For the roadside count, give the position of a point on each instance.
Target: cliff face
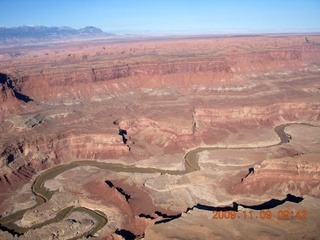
(262, 61)
(255, 115)
(20, 161)
(80, 79)
(217, 64)
(197, 87)
(6, 93)
(148, 103)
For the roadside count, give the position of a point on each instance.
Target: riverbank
(43, 194)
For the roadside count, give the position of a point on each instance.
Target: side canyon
(145, 138)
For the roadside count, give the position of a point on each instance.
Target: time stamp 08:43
(262, 214)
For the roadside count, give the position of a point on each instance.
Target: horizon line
(207, 31)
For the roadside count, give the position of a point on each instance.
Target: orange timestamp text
(262, 214)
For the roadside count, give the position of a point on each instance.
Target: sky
(166, 15)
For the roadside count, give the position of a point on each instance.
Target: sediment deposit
(136, 111)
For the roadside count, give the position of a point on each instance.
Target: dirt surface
(149, 103)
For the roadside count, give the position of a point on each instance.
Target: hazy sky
(165, 15)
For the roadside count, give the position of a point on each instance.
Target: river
(44, 195)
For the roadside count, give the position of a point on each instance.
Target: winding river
(43, 194)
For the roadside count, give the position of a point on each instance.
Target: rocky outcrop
(13, 86)
(51, 84)
(8, 101)
(7, 93)
(20, 161)
(257, 115)
(11, 97)
(147, 103)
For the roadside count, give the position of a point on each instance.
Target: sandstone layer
(145, 104)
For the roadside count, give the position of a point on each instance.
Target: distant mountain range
(49, 32)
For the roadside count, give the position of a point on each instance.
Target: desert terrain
(207, 137)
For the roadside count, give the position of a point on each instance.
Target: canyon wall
(66, 103)
(81, 79)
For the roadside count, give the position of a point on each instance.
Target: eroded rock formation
(149, 105)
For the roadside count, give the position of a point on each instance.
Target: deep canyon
(144, 138)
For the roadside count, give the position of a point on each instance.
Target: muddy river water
(44, 195)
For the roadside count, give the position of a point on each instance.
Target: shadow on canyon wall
(264, 206)
(9, 83)
(125, 234)
(119, 189)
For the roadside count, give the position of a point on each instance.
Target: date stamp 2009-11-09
(262, 214)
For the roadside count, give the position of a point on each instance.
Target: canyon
(145, 137)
